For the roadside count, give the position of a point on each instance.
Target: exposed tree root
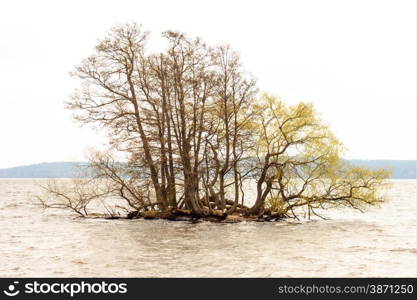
(216, 216)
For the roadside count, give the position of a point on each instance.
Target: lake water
(37, 242)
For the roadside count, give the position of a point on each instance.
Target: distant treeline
(44, 170)
(402, 169)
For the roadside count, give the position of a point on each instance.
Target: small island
(188, 129)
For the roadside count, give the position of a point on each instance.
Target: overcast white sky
(355, 60)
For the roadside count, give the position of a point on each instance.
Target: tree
(301, 163)
(193, 129)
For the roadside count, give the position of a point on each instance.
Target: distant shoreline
(402, 169)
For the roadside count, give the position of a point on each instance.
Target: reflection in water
(35, 242)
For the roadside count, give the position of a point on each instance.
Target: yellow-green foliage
(304, 161)
(276, 205)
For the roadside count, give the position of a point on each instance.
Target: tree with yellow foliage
(301, 163)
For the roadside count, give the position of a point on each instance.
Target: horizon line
(74, 161)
